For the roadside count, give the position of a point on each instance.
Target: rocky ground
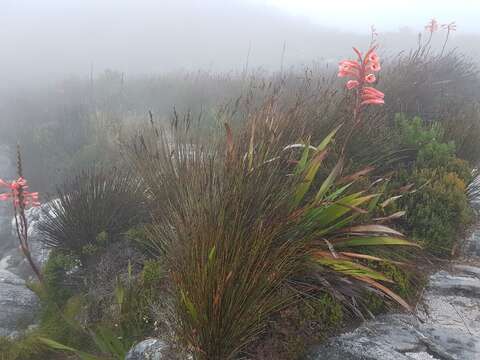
(18, 304)
(446, 325)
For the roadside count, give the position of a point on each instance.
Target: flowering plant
(362, 73)
(432, 26)
(18, 193)
(21, 199)
(449, 27)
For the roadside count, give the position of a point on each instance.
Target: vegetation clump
(265, 227)
(438, 212)
(91, 210)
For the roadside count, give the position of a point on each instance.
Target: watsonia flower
(432, 26)
(362, 71)
(18, 193)
(361, 74)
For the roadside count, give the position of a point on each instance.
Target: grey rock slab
(446, 283)
(18, 304)
(149, 349)
(468, 270)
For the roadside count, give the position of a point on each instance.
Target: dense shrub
(438, 214)
(112, 286)
(439, 211)
(121, 298)
(427, 140)
(25, 349)
(292, 332)
(65, 324)
(92, 210)
(234, 229)
(58, 284)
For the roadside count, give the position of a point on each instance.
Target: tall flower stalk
(362, 73)
(449, 27)
(431, 27)
(21, 199)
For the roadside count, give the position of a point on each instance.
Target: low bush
(91, 210)
(292, 332)
(28, 348)
(438, 211)
(58, 284)
(438, 214)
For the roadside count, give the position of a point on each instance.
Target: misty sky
(44, 40)
(385, 14)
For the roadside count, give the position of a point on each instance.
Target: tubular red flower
(361, 74)
(370, 78)
(374, 67)
(352, 84)
(432, 26)
(349, 68)
(18, 187)
(368, 90)
(346, 73)
(450, 27)
(350, 64)
(373, 57)
(371, 96)
(372, 102)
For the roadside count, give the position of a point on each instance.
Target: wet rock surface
(446, 325)
(150, 349)
(18, 304)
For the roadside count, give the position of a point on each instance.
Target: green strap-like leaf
(330, 180)
(300, 167)
(351, 268)
(211, 254)
(189, 305)
(338, 225)
(341, 207)
(387, 291)
(311, 171)
(370, 228)
(328, 138)
(372, 241)
(333, 196)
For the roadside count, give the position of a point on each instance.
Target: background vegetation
(231, 225)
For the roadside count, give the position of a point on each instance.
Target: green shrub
(439, 213)
(428, 140)
(407, 282)
(93, 209)
(152, 274)
(27, 348)
(292, 332)
(56, 280)
(127, 311)
(132, 316)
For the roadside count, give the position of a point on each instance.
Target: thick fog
(48, 40)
